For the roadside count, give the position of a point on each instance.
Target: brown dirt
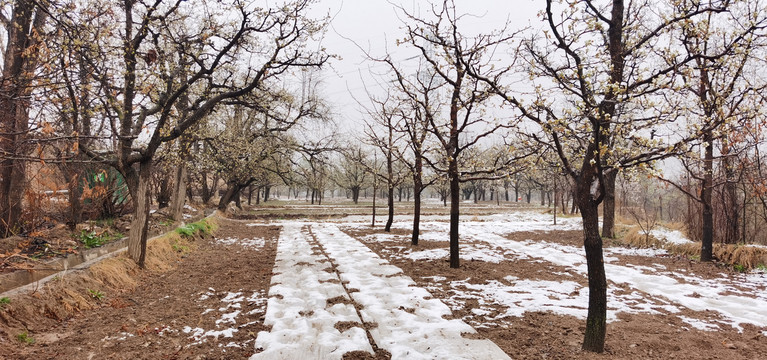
(544, 335)
(148, 322)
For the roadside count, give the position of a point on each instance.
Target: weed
(25, 338)
(761, 267)
(179, 247)
(189, 230)
(4, 301)
(98, 295)
(739, 268)
(167, 222)
(91, 240)
(108, 222)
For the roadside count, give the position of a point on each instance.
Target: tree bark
(707, 243)
(455, 193)
(390, 202)
(178, 198)
(608, 206)
(417, 189)
(137, 235)
(596, 319)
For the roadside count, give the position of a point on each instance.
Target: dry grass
(746, 257)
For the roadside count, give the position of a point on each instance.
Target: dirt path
(211, 306)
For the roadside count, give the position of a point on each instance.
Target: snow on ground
(252, 244)
(303, 323)
(654, 290)
(740, 304)
(410, 323)
(670, 236)
(229, 310)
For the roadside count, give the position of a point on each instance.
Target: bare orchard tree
(448, 54)
(726, 49)
(352, 174)
(595, 64)
(419, 103)
(159, 52)
(380, 133)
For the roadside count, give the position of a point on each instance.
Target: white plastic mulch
(410, 323)
(303, 326)
(402, 318)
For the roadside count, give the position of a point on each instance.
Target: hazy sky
(374, 26)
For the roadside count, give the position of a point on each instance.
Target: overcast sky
(374, 26)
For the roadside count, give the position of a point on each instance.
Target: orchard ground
(289, 279)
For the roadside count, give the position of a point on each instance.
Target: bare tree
(450, 55)
(591, 68)
(161, 58)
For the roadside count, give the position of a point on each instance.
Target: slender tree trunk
(390, 202)
(178, 197)
(137, 235)
(608, 206)
(706, 250)
(417, 189)
(75, 193)
(455, 192)
(732, 206)
(375, 191)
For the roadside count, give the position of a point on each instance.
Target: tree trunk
(596, 319)
(375, 191)
(355, 194)
(608, 206)
(390, 202)
(232, 194)
(267, 192)
(732, 206)
(75, 193)
(455, 192)
(179, 192)
(706, 249)
(417, 189)
(137, 235)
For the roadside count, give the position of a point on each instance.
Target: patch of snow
(636, 252)
(205, 296)
(670, 236)
(228, 318)
(188, 207)
(252, 244)
(700, 324)
(430, 254)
